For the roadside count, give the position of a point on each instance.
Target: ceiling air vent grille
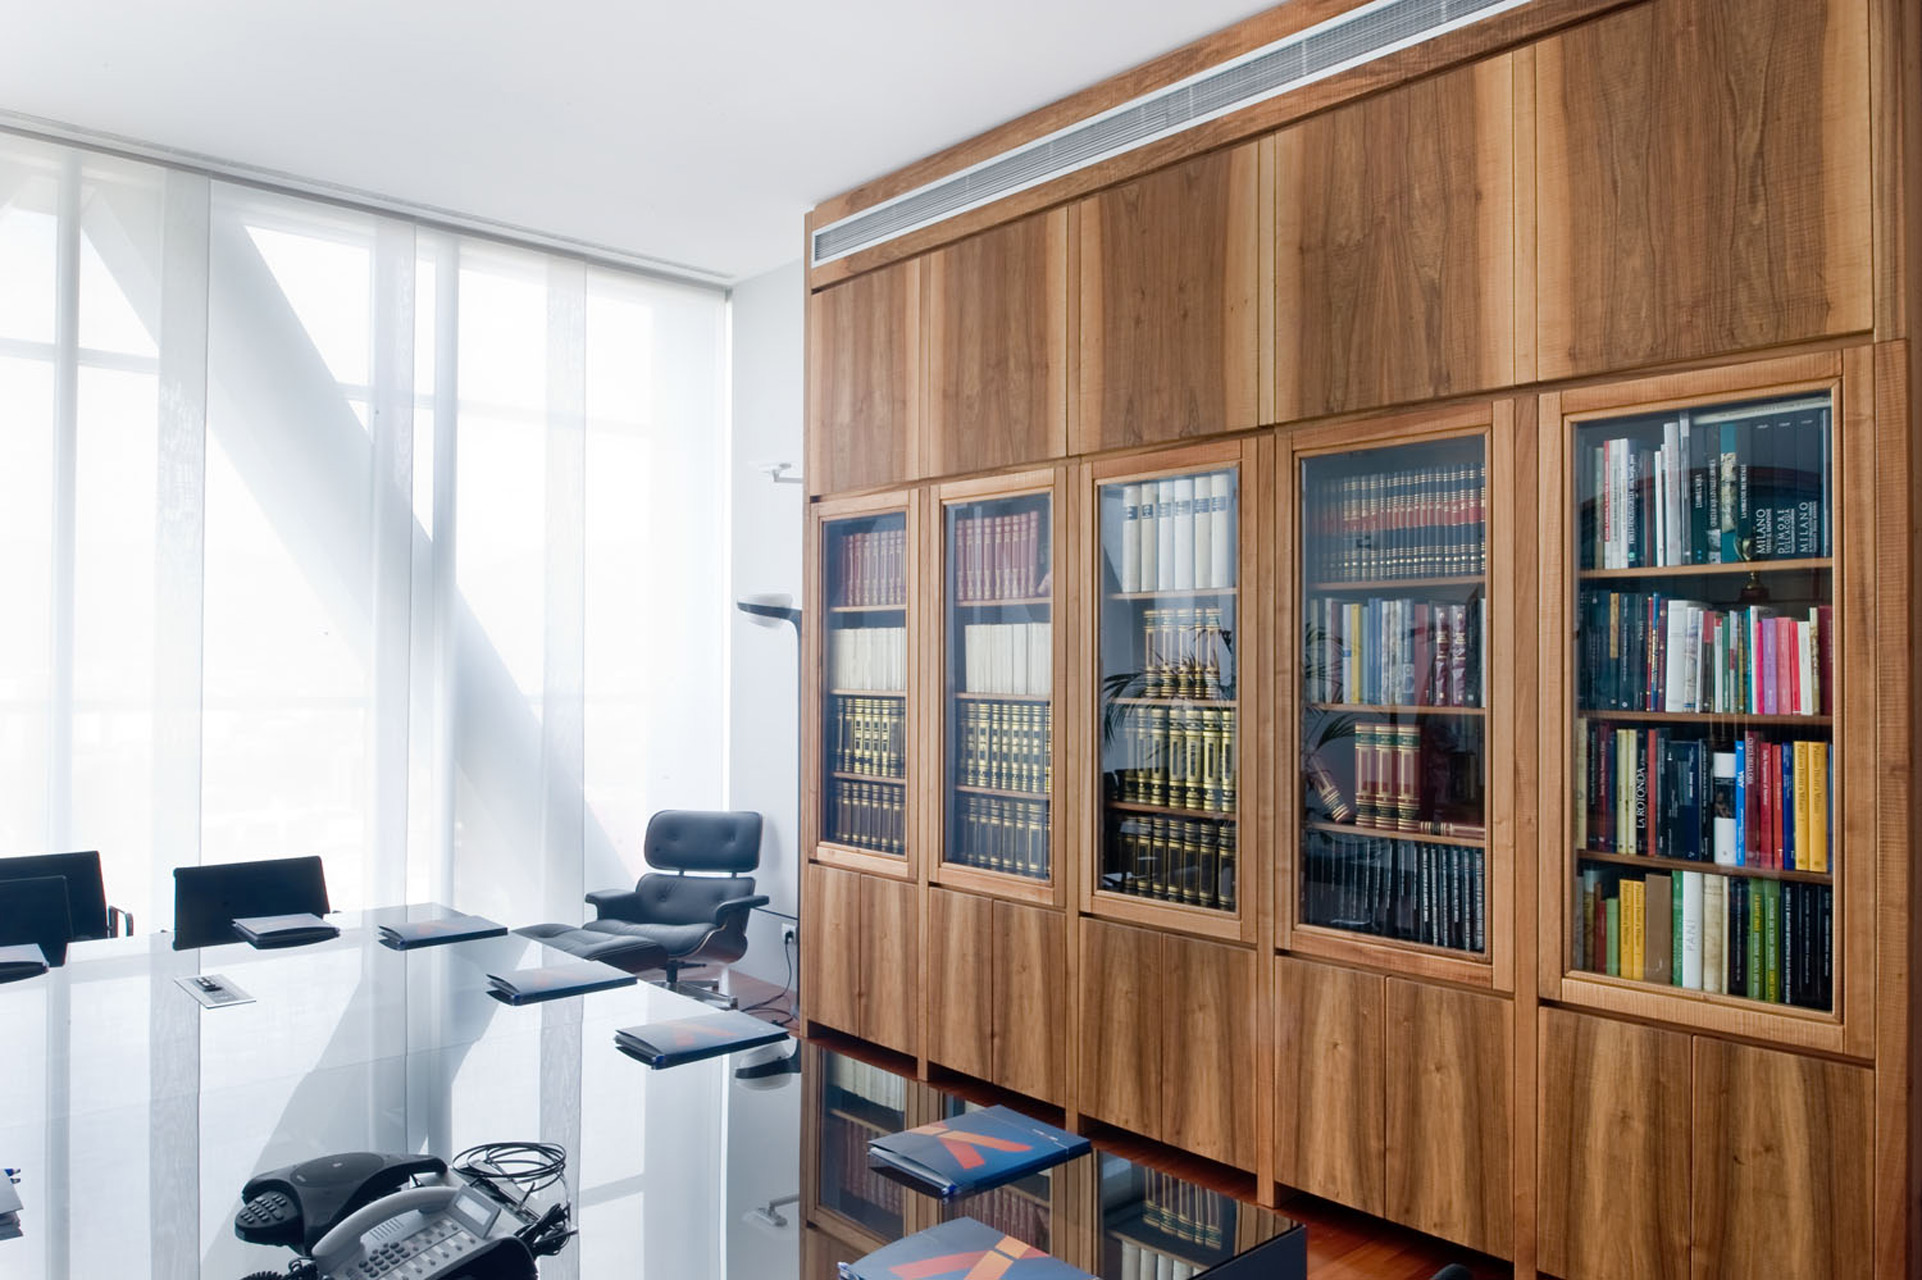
(1361, 35)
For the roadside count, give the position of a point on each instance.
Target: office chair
(1453, 1271)
(675, 921)
(86, 893)
(207, 900)
(35, 911)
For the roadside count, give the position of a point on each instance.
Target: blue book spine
(1741, 802)
(1788, 806)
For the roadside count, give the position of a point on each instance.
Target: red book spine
(1825, 655)
(1033, 557)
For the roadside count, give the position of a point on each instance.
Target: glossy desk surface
(134, 1116)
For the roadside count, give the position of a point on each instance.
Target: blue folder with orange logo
(707, 1035)
(960, 1250)
(973, 1152)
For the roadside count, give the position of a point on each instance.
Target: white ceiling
(694, 133)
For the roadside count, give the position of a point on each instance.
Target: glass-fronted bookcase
(999, 753)
(1392, 728)
(1173, 681)
(1703, 871)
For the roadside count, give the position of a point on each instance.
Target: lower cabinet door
(1330, 1053)
(822, 1254)
(1784, 1164)
(1613, 1151)
(1030, 1008)
(1208, 1052)
(961, 979)
(1450, 1138)
(1121, 1020)
(830, 963)
(891, 951)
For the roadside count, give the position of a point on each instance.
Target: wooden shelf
(1163, 811)
(1398, 584)
(868, 777)
(1015, 602)
(1814, 564)
(1655, 863)
(867, 608)
(1171, 595)
(1707, 717)
(1002, 697)
(1391, 709)
(1005, 795)
(1391, 833)
(866, 693)
(1227, 704)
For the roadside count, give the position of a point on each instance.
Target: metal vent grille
(1361, 35)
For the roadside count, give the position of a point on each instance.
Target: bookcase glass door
(1000, 680)
(1169, 730)
(859, 1103)
(864, 799)
(1023, 1208)
(1394, 714)
(1703, 771)
(1155, 1224)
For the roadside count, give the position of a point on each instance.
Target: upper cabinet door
(865, 381)
(1703, 181)
(1170, 273)
(1394, 246)
(998, 347)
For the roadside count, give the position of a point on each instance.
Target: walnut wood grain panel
(1122, 1013)
(1395, 246)
(1448, 1115)
(1612, 1150)
(864, 381)
(961, 995)
(1208, 1056)
(1330, 1053)
(821, 1254)
(891, 921)
(998, 347)
(1784, 1160)
(830, 938)
(1703, 181)
(1030, 1000)
(1168, 314)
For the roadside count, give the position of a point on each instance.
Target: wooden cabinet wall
(997, 1008)
(1331, 1055)
(864, 982)
(865, 366)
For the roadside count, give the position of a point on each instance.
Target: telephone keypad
(425, 1253)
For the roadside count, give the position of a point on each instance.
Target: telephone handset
(422, 1233)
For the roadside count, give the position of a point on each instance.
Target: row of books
(1006, 746)
(1423, 778)
(1179, 756)
(873, 569)
(1412, 890)
(869, 735)
(1178, 534)
(1674, 795)
(1179, 1208)
(1007, 657)
(1417, 653)
(870, 1084)
(1184, 653)
(1012, 1214)
(873, 658)
(849, 1185)
(1009, 836)
(1139, 1262)
(1186, 860)
(868, 815)
(1709, 488)
(1762, 939)
(1420, 523)
(1644, 651)
(998, 557)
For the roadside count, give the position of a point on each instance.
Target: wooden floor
(1342, 1244)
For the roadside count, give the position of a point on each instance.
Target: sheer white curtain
(322, 532)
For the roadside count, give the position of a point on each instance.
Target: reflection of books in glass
(958, 1249)
(531, 986)
(435, 933)
(708, 1035)
(23, 961)
(290, 930)
(972, 1152)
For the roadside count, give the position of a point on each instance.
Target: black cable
(786, 1016)
(527, 1167)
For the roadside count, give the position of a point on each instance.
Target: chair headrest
(700, 840)
(86, 898)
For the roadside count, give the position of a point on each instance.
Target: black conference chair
(35, 911)
(676, 921)
(207, 900)
(86, 892)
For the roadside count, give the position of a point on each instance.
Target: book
(437, 933)
(1714, 932)
(972, 1152)
(958, 1250)
(1657, 930)
(290, 930)
(674, 1041)
(553, 982)
(1130, 536)
(24, 960)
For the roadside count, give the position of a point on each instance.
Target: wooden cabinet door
(998, 347)
(1395, 246)
(1208, 1053)
(830, 957)
(864, 381)
(1613, 1150)
(890, 949)
(1169, 278)
(1703, 181)
(1330, 1052)
(822, 1254)
(1450, 1149)
(1030, 1000)
(961, 977)
(1122, 1012)
(1784, 1164)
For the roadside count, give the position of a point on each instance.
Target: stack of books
(873, 569)
(1645, 651)
(1425, 522)
(1393, 652)
(1411, 890)
(868, 658)
(1007, 657)
(998, 557)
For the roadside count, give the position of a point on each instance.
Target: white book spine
(1691, 658)
(1204, 533)
(1809, 702)
(1130, 537)
(1165, 536)
(1184, 534)
(1130, 1260)
(1714, 931)
(1692, 930)
(1722, 782)
(1017, 658)
(1222, 541)
(1674, 683)
(1147, 527)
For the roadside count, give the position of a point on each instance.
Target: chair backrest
(207, 900)
(35, 911)
(700, 840)
(86, 895)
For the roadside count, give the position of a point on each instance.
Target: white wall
(766, 527)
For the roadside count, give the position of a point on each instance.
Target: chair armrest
(114, 917)
(740, 906)
(615, 904)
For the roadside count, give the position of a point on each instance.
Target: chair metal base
(706, 990)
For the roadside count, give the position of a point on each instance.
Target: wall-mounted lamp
(778, 472)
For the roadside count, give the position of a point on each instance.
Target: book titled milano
(972, 1152)
(960, 1250)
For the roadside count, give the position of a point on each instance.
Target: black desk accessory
(298, 1205)
(438, 933)
(213, 990)
(295, 929)
(531, 986)
(706, 1035)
